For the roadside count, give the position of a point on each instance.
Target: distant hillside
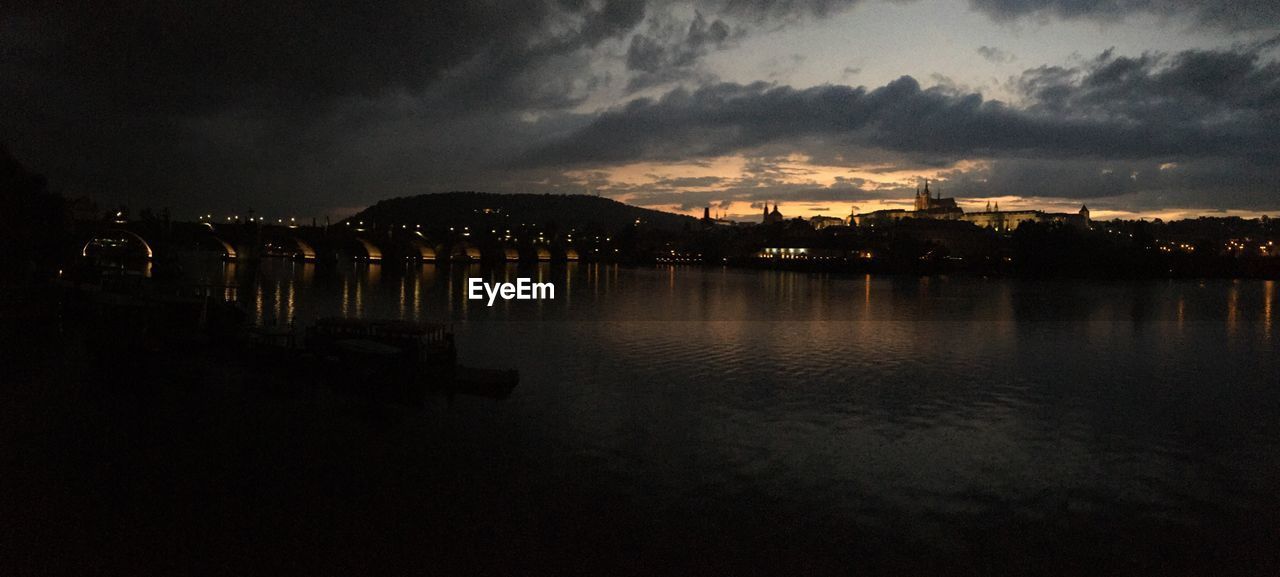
(455, 209)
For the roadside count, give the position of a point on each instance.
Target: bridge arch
(371, 251)
(419, 248)
(306, 252)
(409, 245)
(464, 252)
(539, 253)
(116, 240)
(284, 242)
(426, 252)
(229, 251)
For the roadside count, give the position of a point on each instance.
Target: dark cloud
(1125, 185)
(195, 58)
(1232, 15)
(786, 193)
(763, 179)
(1223, 86)
(263, 104)
(1054, 178)
(666, 53)
(1228, 15)
(996, 55)
(1194, 103)
(689, 181)
(786, 11)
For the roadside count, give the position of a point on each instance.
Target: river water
(712, 417)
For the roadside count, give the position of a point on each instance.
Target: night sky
(1136, 107)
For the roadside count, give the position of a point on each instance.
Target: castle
(927, 205)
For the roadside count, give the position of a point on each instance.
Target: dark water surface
(711, 420)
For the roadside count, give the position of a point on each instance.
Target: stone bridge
(243, 241)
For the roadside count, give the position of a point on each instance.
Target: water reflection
(346, 295)
(591, 291)
(258, 301)
(278, 299)
(403, 300)
(1233, 307)
(1268, 295)
(893, 397)
(1182, 312)
(228, 281)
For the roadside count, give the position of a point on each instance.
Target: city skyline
(1139, 109)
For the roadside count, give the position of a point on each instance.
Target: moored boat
(399, 360)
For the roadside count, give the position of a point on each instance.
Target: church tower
(772, 217)
(924, 199)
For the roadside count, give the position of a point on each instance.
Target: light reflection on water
(1268, 295)
(875, 397)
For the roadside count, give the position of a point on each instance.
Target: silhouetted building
(718, 220)
(772, 217)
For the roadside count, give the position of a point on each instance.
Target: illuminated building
(928, 206)
(937, 207)
(1010, 220)
(821, 222)
(798, 253)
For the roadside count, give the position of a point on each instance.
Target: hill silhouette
(457, 209)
